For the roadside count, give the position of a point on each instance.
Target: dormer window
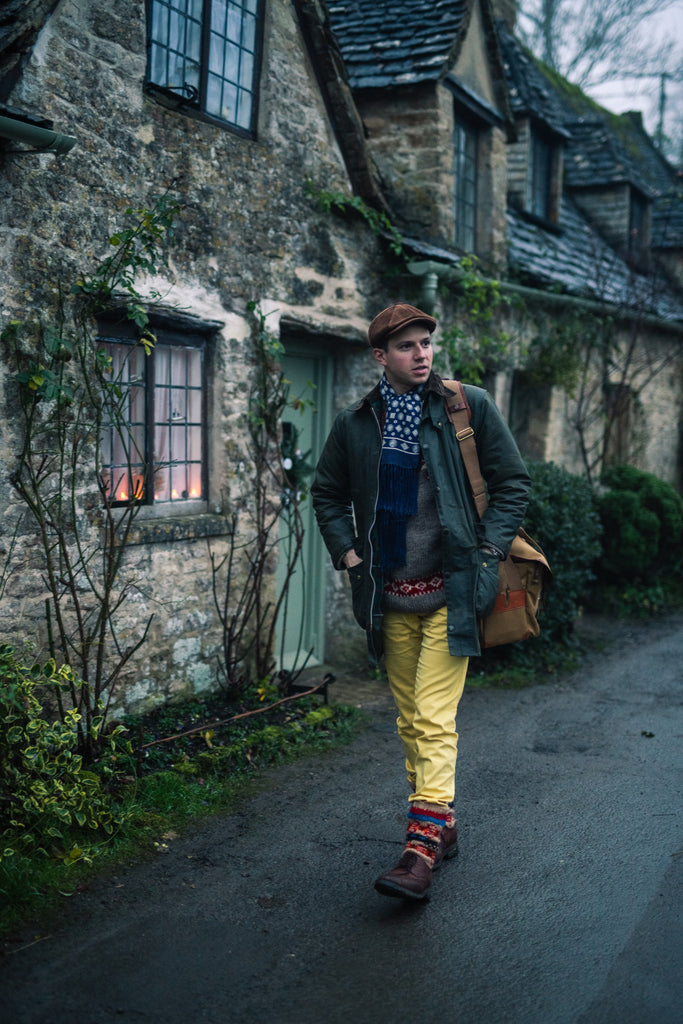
(535, 171)
(204, 55)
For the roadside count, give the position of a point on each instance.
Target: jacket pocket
(487, 585)
(359, 594)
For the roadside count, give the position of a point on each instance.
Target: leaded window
(152, 447)
(465, 184)
(207, 53)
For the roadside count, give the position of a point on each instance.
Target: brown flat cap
(393, 319)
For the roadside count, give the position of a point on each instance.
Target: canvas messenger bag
(525, 572)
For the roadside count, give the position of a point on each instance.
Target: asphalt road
(564, 906)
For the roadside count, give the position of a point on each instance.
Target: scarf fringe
(398, 488)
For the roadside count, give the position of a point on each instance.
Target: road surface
(564, 906)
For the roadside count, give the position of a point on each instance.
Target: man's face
(407, 361)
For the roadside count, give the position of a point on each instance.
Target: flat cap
(393, 318)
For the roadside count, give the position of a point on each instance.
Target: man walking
(394, 507)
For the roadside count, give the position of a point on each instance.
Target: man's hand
(350, 559)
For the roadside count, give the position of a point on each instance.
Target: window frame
(540, 180)
(465, 130)
(474, 116)
(122, 333)
(193, 100)
(638, 243)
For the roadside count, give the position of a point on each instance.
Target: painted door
(301, 625)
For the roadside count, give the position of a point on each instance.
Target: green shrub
(642, 518)
(563, 519)
(48, 802)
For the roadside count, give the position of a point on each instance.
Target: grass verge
(160, 787)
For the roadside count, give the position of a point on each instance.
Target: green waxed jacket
(344, 497)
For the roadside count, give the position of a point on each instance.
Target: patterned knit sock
(425, 824)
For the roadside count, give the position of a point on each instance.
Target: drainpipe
(43, 140)
(432, 272)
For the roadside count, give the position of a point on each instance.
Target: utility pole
(659, 134)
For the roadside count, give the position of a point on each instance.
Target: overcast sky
(644, 95)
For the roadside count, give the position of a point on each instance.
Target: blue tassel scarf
(399, 472)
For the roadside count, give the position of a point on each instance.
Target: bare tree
(593, 44)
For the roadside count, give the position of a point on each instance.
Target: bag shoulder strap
(460, 414)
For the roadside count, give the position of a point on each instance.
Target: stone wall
(406, 131)
(247, 231)
(608, 209)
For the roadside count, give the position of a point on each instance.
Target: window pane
(162, 484)
(213, 98)
(194, 42)
(179, 366)
(162, 454)
(194, 368)
(195, 481)
(176, 34)
(194, 437)
(218, 16)
(249, 34)
(137, 404)
(119, 458)
(246, 71)
(194, 406)
(216, 56)
(179, 488)
(157, 71)
(243, 109)
(232, 62)
(159, 23)
(178, 450)
(161, 365)
(234, 31)
(178, 405)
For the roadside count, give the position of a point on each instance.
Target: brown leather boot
(448, 845)
(409, 880)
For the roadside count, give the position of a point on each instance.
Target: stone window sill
(165, 530)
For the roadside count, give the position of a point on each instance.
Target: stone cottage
(433, 118)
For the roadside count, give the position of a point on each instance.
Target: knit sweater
(418, 586)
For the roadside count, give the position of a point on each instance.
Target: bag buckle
(462, 435)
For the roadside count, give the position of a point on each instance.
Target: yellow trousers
(427, 683)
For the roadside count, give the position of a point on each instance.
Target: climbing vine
(269, 526)
(376, 220)
(472, 344)
(68, 393)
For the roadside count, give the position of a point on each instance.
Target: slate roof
(579, 262)
(529, 91)
(594, 155)
(600, 148)
(396, 42)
